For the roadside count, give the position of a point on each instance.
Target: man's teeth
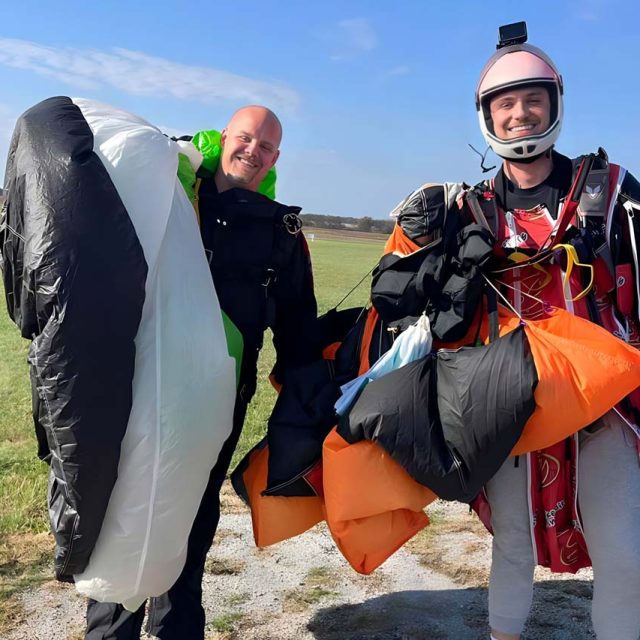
(522, 127)
(249, 164)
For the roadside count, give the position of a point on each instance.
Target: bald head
(250, 147)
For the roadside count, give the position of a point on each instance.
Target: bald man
(261, 269)
(250, 147)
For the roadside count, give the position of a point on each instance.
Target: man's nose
(520, 109)
(252, 147)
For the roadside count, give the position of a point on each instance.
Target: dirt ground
(433, 589)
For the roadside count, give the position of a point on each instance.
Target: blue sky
(376, 98)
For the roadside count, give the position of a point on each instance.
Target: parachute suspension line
(364, 277)
(504, 299)
(545, 304)
(482, 158)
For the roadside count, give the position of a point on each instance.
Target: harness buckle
(271, 277)
(292, 223)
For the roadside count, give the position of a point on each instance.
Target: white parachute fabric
(412, 344)
(184, 380)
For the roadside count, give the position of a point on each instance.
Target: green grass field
(24, 546)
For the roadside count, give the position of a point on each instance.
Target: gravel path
(303, 589)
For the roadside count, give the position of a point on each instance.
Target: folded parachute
(133, 388)
(450, 419)
(370, 500)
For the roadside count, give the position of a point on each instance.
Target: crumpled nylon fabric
(183, 384)
(412, 344)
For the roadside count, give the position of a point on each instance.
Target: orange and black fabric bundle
(391, 456)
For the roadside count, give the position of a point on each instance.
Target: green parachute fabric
(235, 343)
(187, 176)
(208, 143)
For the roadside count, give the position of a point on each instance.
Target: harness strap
(196, 199)
(570, 206)
(478, 213)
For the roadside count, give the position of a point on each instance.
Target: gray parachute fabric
(133, 387)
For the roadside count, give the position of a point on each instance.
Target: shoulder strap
(471, 198)
(196, 199)
(570, 206)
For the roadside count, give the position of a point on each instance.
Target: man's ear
(276, 155)
(223, 137)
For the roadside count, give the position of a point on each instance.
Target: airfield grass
(25, 547)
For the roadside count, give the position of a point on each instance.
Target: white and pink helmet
(513, 67)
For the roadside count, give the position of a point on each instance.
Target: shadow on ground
(560, 612)
(406, 615)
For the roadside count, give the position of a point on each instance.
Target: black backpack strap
(492, 311)
(471, 198)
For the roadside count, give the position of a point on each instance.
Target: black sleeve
(295, 330)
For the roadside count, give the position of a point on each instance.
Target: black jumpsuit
(262, 274)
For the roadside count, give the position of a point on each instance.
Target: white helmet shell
(514, 67)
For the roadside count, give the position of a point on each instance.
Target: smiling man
(545, 508)
(250, 144)
(260, 265)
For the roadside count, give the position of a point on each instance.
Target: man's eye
(245, 138)
(266, 147)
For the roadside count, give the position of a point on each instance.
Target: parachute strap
(632, 208)
(572, 260)
(504, 298)
(571, 203)
(477, 212)
(522, 260)
(519, 257)
(355, 286)
(196, 199)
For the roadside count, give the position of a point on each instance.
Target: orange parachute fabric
(371, 504)
(399, 242)
(276, 518)
(583, 371)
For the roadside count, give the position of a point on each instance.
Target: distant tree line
(365, 223)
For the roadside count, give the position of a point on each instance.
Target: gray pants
(609, 501)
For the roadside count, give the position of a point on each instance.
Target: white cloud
(401, 70)
(359, 34)
(140, 74)
(351, 37)
(8, 119)
(590, 10)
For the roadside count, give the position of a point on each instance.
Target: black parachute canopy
(74, 275)
(452, 418)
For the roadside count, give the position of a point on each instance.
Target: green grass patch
(225, 622)
(237, 599)
(318, 585)
(337, 267)
(222, 567)
(25, 561)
